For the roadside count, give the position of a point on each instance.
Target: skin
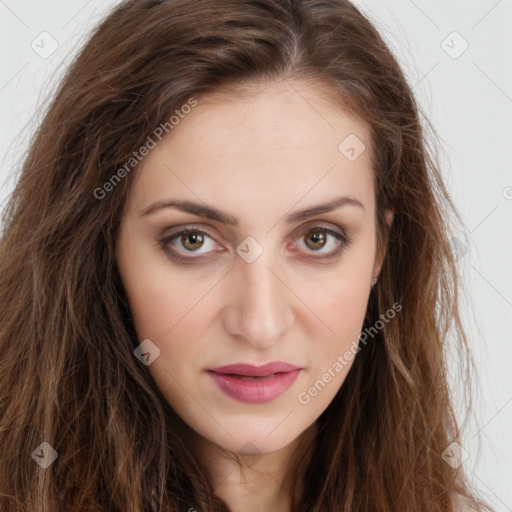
(259, 157)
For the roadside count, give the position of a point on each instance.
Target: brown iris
(318, 237)
(194, 238)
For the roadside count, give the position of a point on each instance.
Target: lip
(271, 380)
(251, 370)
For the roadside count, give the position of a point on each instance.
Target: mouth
(255, 384)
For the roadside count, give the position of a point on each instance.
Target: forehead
(283, 142)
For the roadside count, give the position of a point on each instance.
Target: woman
(225, 276)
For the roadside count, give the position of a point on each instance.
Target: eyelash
(344, 240)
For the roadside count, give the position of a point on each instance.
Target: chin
(246, 438)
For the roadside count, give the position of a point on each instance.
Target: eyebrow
(208, 212)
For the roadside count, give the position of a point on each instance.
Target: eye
(316, 239)
(196, 241)
(187, 240)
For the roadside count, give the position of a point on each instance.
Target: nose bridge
(259, 310)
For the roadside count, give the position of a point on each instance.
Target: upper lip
(250, 370)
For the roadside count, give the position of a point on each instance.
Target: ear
(379, 258)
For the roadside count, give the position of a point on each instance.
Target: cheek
(331, 356)
(168, 312)
(344, 294)
(160, 298)
(152, 299)
(341, 303)
(170, 308)
(344, 309)
(162, 308)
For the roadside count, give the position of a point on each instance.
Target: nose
(260, 309)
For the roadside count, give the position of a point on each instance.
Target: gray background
(467, 95)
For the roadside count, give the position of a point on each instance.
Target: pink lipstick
(255, 384)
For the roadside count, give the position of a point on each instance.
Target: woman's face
(261, 277)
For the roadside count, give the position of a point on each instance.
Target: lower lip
(255, 391)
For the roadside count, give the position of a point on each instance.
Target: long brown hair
(68, 375)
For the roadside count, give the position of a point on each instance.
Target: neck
(261, 481)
